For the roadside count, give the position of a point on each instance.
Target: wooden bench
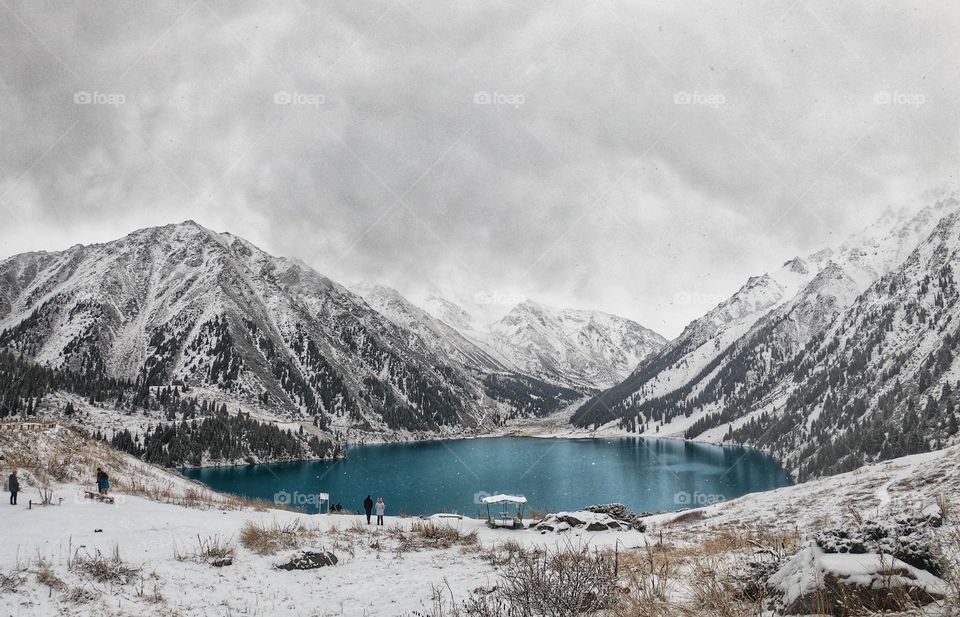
(98, 497)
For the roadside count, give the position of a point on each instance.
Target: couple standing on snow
(368, 508)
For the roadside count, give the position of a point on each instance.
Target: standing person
(380, 508)
(14, 486)
(368, 507)
(103, 481)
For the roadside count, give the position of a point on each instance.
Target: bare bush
(571, 581)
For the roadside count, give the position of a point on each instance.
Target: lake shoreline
(450, 475)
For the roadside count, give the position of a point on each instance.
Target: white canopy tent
(504, 518)
(504, 499)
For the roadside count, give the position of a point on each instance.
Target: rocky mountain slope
(183, 304)
(741, 371)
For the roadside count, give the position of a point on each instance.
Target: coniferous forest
(187, 430)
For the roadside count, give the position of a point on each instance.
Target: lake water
(647, 475)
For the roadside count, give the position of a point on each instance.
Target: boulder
(907, 538)
(585, 520)
(621, 513)
(814, 581)
(309, 560)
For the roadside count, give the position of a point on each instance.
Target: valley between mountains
(834, 360)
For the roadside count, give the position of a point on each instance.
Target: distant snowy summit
(587, 350)
(183, 304)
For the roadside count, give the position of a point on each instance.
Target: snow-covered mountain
(577, 348)
(752, 354)
(181, 303)
(535, 351)
(580, 350)
(441, 337)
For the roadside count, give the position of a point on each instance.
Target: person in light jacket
(13, 484)
(380, 508)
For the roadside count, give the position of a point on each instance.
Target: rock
(908, 539)
(309, 560)
(584, 520)
(621, 513)
(813, 581)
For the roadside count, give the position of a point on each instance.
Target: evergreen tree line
(221, 437)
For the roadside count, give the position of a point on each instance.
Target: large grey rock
(309, 560)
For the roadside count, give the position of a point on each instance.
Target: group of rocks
(604, 517)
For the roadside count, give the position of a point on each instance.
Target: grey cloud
(599, 190)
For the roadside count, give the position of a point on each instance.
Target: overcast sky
(612, 155)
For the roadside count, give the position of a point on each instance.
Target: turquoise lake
(648, 475)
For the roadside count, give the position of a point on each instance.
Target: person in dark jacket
(103, 481)
(368, 507)
(14, 486)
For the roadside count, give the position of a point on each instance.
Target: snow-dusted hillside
(169, 546)
(746, 357)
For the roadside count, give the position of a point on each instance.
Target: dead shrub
(570, 581)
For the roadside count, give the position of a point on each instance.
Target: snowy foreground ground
(60, 559)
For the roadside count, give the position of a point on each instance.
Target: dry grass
(690, 516)
(12, 579)
(80, 595)
(208, 549)
(951, 554)
(103, 569)
(268, 538)
(46, 575)
(430, 534)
